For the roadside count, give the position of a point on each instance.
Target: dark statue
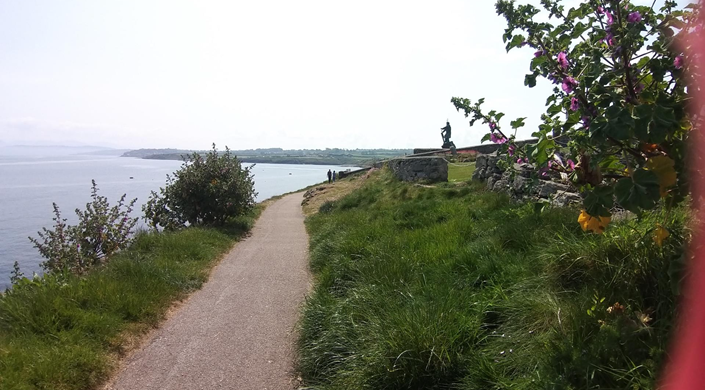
(445, 134)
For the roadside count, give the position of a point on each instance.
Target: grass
(454, 287)
(332, 192)
(460, 171)
(66, 332)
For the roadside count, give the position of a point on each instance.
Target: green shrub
(101, 231)
(206, 190)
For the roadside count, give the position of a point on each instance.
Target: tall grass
(456, 287)
(65, 332)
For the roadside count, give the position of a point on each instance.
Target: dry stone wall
(429, 169)
(523, 182)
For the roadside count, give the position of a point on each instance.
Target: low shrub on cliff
(101, 231)
(206, 190)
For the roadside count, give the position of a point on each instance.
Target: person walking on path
(329, 176)
(333, 176)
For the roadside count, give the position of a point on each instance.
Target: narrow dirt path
(236, 332)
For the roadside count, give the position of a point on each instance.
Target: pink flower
(569, 84)
(511, 149)
(493, 126)
(634, 17)
(563, 60)
(497, 139)
(574, 104)
(678, 62)
(522, 160)
(571, 165)
(610, 18)
(600, 10)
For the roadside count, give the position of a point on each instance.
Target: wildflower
(493, 126)
(563, 60)
(634, 17)
(497, 139)
(610, 39)
(660, 234)
(522, 160)
(571, 164)
(569, 84)
(538, 53)
(511, 149)
(595, 224)
(600, 10)
(610, 18)
(678, 62)
(574, 104)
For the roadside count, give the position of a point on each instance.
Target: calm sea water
(28, 186)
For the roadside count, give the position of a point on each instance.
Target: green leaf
(530, 80)
(517, 123)
(639, 192)
(537, 61)
(599, 201)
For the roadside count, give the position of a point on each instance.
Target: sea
(29, 185)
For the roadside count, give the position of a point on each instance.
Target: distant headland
(334, 156)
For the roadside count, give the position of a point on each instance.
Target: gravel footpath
(237, 332)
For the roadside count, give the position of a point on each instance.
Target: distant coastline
(343, 157)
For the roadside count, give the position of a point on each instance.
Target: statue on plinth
(445, 134)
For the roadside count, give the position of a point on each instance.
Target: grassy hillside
(67, 332)
(455, 287)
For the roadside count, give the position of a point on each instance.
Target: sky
(255, 74)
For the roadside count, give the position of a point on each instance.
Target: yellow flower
(214, 182)
(595, 224)
(662, 167)
(660, 234)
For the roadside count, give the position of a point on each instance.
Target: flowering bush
(616, 121)
(206, 190)
(101, 231)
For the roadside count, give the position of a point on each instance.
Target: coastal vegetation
(452, 286)
(475, 291)
(67, 331)
(208, 190)
(105, 287)
(617, 121)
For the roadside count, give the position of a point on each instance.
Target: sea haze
(29, 185)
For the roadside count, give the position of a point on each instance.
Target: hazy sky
(249, 74)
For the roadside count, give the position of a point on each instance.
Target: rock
(547, 188)
(564, 198)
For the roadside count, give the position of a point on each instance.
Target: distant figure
(445, 133)
(329, 176)
(333, 176)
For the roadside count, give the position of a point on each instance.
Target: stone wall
(430, 169)
(522, 182)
